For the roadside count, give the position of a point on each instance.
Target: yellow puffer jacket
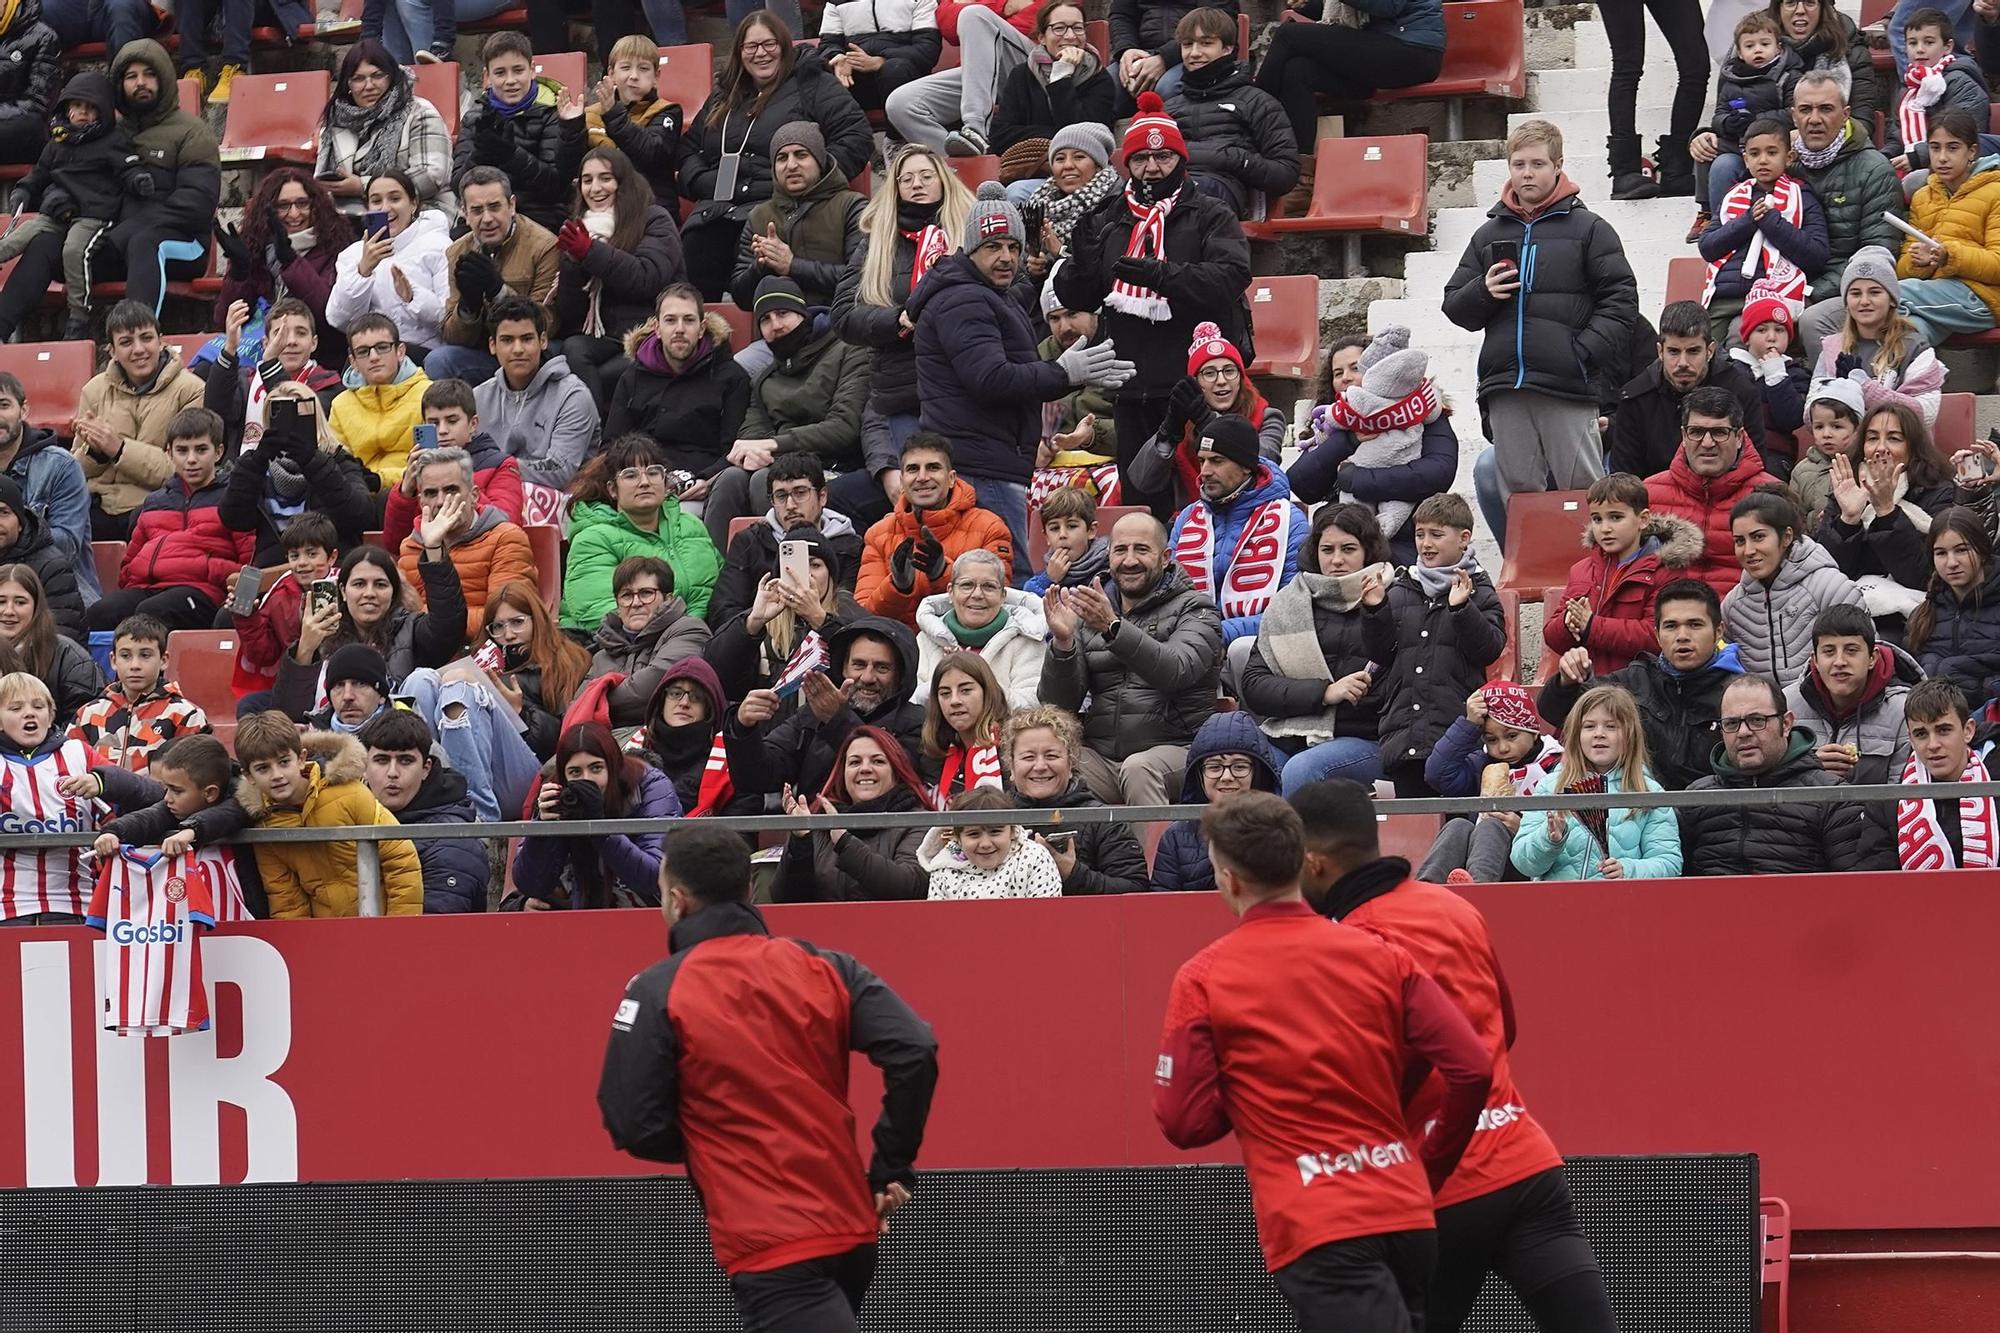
(1966, 222)
(374, 422)
(312, 879)
(141, 421)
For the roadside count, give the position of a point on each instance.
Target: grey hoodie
(551, 426)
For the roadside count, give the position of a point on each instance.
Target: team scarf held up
(1415, 409)
(1782, 278)
(1148, 241)
(966, 769)
(1255, 568)
(1920, 840)
(1923, 86)
(931, 247)
(716, 788)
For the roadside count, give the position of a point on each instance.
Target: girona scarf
(1920, 841)
(715, 789)
(1412, 410)
(931, 247)
(1256, 567)
(977, 767)
(1149, 241)
(1781, 278)
(1923, 86)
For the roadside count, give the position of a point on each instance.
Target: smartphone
(795, 562)
(424, 436)
(372, 223)
(288, 408)
(1061, 840)
(249, 584)
(1507, 252)
(320, 594)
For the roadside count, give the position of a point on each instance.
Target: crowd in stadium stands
(985, 512)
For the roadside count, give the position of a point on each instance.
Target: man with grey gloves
(980, 379)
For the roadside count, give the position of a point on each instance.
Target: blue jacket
(980, 380)
(1269, 484)
(1805, 244)
(1323, 472)
(52, 485)
(1646, 843)
(1457, 762)
(629, 863)
(1180, 864)
(455, 869)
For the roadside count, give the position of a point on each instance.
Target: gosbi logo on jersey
(1362, 1157)
(11, 822)
(158, 932)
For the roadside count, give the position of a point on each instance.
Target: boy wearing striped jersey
(51, 886)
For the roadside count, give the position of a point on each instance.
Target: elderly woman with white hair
(980, 614)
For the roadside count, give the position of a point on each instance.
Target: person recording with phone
(796, 608)
(296, 463)
(397, 268)
(589, 779)
(369, 609)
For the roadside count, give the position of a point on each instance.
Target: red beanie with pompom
(1152, 129)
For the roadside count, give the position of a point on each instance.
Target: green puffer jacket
(1854, 189)
(812, 399)
(600, 537)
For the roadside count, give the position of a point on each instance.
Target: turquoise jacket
(1647, 843)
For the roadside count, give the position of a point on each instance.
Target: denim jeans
(474, 365)
(1725, 173)
(113, 22)
(1008, 499)
(481, 738)
(1355, 758)
(409, 26)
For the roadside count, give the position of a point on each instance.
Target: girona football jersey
(151, 909)
(58, 879)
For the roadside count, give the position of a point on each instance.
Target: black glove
(230, 242)
(489, 144)
(1140, 272)
(580, 798)
(902, 574)
(281, 244)
(139, 183)
(929, 555)
(478, 280)
(58, 206)
(1181, 405)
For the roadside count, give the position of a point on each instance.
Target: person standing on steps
(1680, 23)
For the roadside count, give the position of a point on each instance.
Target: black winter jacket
(1109, 858)
(38, 551)
(695, 414)
(810, 93)
(1341, 638)
(1033, 106)
(799, 750)
(818, 275)
(630, 281)
(86, 179)
(1680, 714)
(753, 553)
(1577, 301)
(868, 865)
(539, 150)
(1208, 274)
(1235, 131)
(1149, 25)
(1744, 92)
(1864, 92)
(455, 869)
(1889, 545)
(1646, 428)
(1749, 838)
(1153, 681)
(336, 485)
(653, 144)
(1804, 245)
(1964, 642)
(30, 65)
(1431, 655)
(892, 391)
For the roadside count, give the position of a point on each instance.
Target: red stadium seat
(1954, 422)
(1407, 836)
(976, 171)
(1098, 33)
(53, 375)
(186, 344)
(201, 662)
(1687, 278)
(1284, 312)
(443, 86)
(1872, 13)
(1508, 665)
(1361, 185)
(687, 76)
(1776, 1217)
(275, 117)
(1038, 540)
(1544, 529)
(571, 69)
(1485, 55)
(863, 184)
(737, 526)
(545, 542)
(109, 558)
(742, 330)
(190, 95)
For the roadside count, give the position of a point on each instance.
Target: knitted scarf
(377, 131)
(1148, 241)
(1823, 158)
(1255, 567)
(931, 247)
(1062, 211)
(967, 769)
(1781, 278)
(1288, 637)
(975, 640)
(1920, 841)
(1923, 86)
(1412, 410)
(1436, 581)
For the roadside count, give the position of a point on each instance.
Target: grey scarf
(1288, 637)
(1436, 582)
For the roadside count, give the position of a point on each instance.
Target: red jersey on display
(151, 908)
(56, 880)
(1447, 936)
(1294, 1032)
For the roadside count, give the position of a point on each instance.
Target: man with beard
(1148, 664)
(809, 230)
(684, 390)
(1160, 258)
(1239, 541)
(1063, 417)
(907, 556)
(1646, 429)
(50, 478)
(798, 500)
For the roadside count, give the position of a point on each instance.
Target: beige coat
(527, 262)
(141, 422)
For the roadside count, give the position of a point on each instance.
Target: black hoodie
(799, 750)
(455, 869)
(81, 173)
(36, 549)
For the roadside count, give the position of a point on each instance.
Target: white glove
(1096, 365)
(1772, 369)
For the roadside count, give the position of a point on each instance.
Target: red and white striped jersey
(56, 880)
(151, 909)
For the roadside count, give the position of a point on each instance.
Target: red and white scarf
(931, 247)
(978, 767)
(1920, 842)
(716, 789)
(1255, 569)
(1781, 277)
(1149, 241)
(1923, 85)
(810, 655)
(1413, 410)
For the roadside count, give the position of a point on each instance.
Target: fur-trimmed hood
(335, 759)
(1679, 541)
(712, 324)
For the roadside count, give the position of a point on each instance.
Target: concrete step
(1653, 222)
(1555, 91)
(1588, 127)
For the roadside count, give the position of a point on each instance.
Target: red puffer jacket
(178, 539)
(1705, 502)
(1621, 596)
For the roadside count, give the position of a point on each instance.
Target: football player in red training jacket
(732, 1056)
(1296, 1033)
(1506, 1207)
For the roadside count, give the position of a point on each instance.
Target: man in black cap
(1239, 542)
(797, 485)
(809, 230)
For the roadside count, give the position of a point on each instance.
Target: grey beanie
(993, 219)
(803, 133)
(1050, 301)
(1086, 136)
(1386, 343)
(1875, 263)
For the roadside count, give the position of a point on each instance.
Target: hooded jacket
(868, 865)
(498, 478)
(374, 421)
(1964, 642)
(492, 553)
(682, 753)
(1645, 842)
(695, 415)
(1432, 655)
(1621, 595)
(628, 282)
(1705, 502)
(1771, 623)
(627, 865)
(1152, 680)
(800, 750)
(753, 553)
(649, 134)
(550, 427)
(1873, 723)
(1743, 92)
(321, 879)
(1680, 713)
(811, 398)
(35, 547)
(980, 381)
(52, 484)
(671, 634)
(1751, 838)
(1854, 189)
(539, 151)
(30, 64)
(526, 258)
(140, 417)
(1646, 428)
(808, 93)
(601, 537)
(1228, 518)
(1577, 299)
(823, 227)
(1015, 652)
(960, 525)
(1028, 872)
(455, 870)
(1037, 98)
(179, 538)
(1966, 221)
(180, 150)
(418, 251)
(1235, 131)
(1109, 858)
(77, 179)
(1804, 245)
(1180, 864)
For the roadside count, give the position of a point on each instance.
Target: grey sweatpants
(1539, 440)
(926, 110)
(1479, 847)
(78, 236)
(1821, 320)
(1149, 777)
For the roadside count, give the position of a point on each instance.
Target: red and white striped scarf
(1149, 241)
(979, 767)
(1920, 842)
(716, 788)
(809, 656)
(1255, 569)
(1781, 277)
(1412, 410)
(931, 247)
(1923, 85)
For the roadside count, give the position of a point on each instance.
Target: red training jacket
(732, 1056)
(1447, 936)
(1294, 1031)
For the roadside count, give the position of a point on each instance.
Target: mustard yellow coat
(310, 879)
(1967, 223)
(374, 422)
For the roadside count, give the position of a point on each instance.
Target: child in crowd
(1877, 339)
(1077, 555)
(49, 887)
(451, 410)
(630, 116)
(1607, 605)
(417, 789)
(1951, 282)
(1497, 749)
(1935, 80)
(1766, 329)
(1240, 145)
(315, 781)
(529, 127)
(180, 555)
(1833, 412)
(312, 550)
(1229, 754)
(1604, 750)
(1933, 834)
(185, 804)
(1769, 233)
(988, 860)
(1753, 82)
(1444, 628)
(141, 710)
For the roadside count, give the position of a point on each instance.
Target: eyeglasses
(1216, 374)
(367, 76)
(983, 589)
(686, 694)
(650, 472)
(1748, 722)
(926, 176)
(373, 349)
(1076, 29)
(1718, 434)
(1225, 768)
(637, 596)
(1161, 156)
(759, 48)
(294, 205)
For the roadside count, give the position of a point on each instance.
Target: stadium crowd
(988, 513)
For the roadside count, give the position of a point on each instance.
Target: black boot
(1628, 176)
(1673, 167)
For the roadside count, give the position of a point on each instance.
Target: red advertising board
(1840, 1026)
